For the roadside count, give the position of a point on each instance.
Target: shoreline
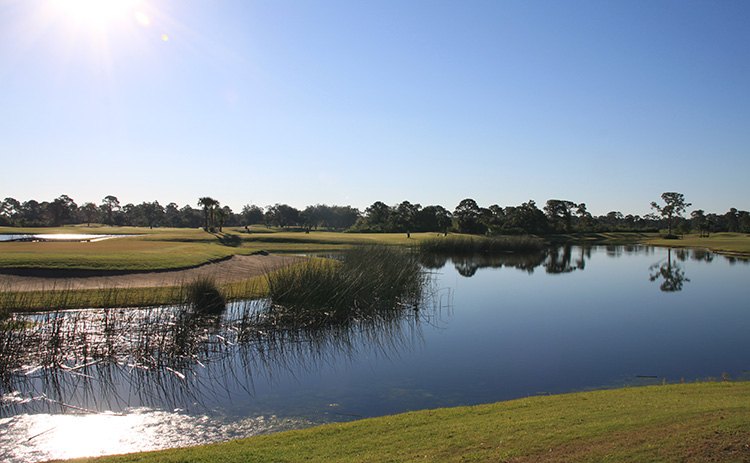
(228, 270)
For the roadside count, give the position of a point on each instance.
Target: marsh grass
(169, 357)
(367, 279)
(467, 245)
(65, 298)
(204, 296)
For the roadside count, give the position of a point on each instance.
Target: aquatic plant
(204, 296)
(454, 244)
(366, 280)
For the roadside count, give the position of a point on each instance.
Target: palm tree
(209, 207)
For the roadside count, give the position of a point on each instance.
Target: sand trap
(236, 268)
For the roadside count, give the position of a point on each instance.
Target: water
(57, 237)
(496, 329)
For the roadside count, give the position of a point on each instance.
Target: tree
(89, 212)
(32, 213)
(10, 207)
(61, 210)
(283, 215)
(700, 222)
(468, 215)
(560, 211)
(377, 214)
(434, 218)
(252, 214)
(732, 219)
(583, 215)
(222, 214)
(209, 211)
(152, 213)
(674, 206)
(404, 217)
(172, 215)
(526, 218)
(109, 205)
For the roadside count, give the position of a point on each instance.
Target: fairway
(175, 248)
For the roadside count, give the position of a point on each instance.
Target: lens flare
(142, 19)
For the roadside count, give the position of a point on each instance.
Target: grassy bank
(674, 423)
(736, 244)
(164, 249)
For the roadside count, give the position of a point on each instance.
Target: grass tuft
(368, 279)
(204, 296)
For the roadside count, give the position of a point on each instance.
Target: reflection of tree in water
(468, 265)
(114, 359)
(670, 271)
(557, 259)
(702, 255)
(561, 259)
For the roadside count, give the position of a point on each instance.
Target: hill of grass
(673, 423)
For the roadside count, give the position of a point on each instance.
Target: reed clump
(366, 280)
(467, 245)
(203, 295)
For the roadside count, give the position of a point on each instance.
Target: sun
(97, 12)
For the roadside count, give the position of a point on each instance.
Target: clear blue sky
(609, 103)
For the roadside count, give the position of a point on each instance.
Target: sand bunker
(236, 268)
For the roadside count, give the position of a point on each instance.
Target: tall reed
(63, 298)
(481, 245)
(368, 279)
(203, 295)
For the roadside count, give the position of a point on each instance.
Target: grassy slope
(165, 248)
(727, 243)
(684, 422)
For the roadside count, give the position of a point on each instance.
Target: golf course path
(236, 268)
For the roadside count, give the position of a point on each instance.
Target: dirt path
(236, 268)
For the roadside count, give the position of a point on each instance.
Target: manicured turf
(674, 423)
(728, 243)
(161, 249)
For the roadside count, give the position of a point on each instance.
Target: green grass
(674, 423)
(165, 248)
(601, 238)
(726, 243)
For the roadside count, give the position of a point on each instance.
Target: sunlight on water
(58, 237)
(497, 328)
(27, 438)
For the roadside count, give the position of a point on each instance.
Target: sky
(609, 103)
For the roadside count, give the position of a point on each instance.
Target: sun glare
(100, 12)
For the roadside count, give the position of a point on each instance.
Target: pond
(57, 237)
(567, 320)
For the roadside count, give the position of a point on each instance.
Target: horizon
(609, 104)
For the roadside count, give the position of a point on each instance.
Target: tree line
(556, 216)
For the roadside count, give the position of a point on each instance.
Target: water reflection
(163, 377)
(555, 260)
(111, 360)
(58, 237)
(44, 436)
(670, 271)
